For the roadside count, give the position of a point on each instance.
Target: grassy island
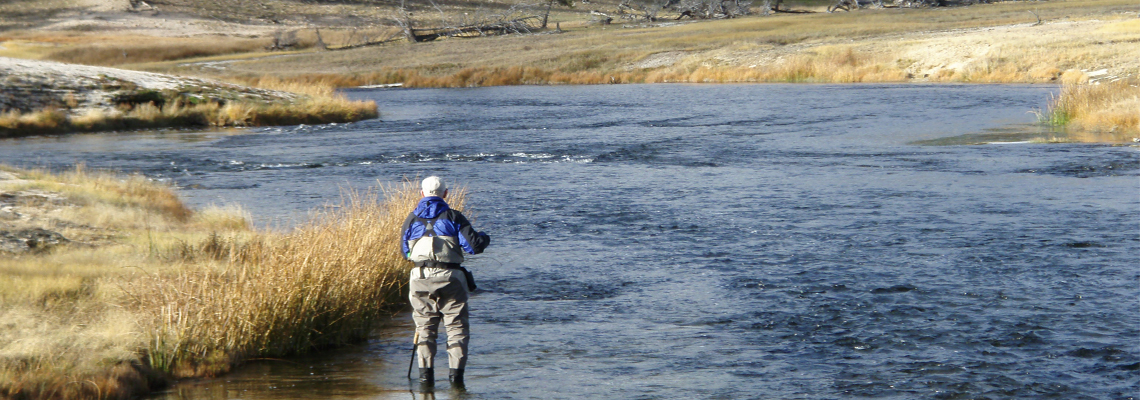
(42, 97)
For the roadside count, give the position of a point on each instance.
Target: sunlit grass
(114, 50)
(121, 194)
(325, 284)
(148, 289)
(61, 324)
(995, 43)
(985, 43)
(1100, 113)
(320, 105)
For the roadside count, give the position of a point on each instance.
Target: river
(713, 241)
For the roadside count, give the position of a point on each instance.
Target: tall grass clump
(46, 120)
(327, 283)
(147, 290)
(1105, 112)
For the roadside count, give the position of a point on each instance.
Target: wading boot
(456, 378)
(427, 377)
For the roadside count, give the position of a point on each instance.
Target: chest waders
(435, 293)
(429, 232)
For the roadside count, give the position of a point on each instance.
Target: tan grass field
(1077, 42)
(1051, 42)
(999, 42)
(147, 290)
(984, 43)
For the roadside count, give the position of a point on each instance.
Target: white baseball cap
(433, 186)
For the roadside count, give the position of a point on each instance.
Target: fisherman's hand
(482, 240)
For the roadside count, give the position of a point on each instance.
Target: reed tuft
(147, 290)
(1105, 112)
(325, 284)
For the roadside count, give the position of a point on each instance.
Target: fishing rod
(415, 342)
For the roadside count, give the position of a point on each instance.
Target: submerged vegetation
(138, 289)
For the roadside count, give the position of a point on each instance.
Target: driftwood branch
(1039, 22)
(321, 41)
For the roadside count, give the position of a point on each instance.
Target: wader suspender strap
(429, 231)
(429, 225)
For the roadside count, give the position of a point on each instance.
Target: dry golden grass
(230, 217)
(86, 189)
(985, 44)
(87, 353)
(1097, 113)
(149, 290)
(116, 50)
(994, 43)
(320, 105)
(325, 284)
(61, 325)
(131, 51)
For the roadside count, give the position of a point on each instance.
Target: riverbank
(1072, 42)
(44, 97)
(112, 288)
(917, 46)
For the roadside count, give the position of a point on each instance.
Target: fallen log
(521, 25)
(365, 44)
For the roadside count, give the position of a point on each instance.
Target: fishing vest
(434, 248)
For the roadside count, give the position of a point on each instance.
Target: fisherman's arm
(404, 250)
(473, 242)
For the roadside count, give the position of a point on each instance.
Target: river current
(719, 241)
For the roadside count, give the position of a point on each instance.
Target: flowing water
(728, 241)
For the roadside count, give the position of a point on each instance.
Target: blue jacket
(449, 224)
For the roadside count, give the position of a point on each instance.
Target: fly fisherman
(434, 239)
